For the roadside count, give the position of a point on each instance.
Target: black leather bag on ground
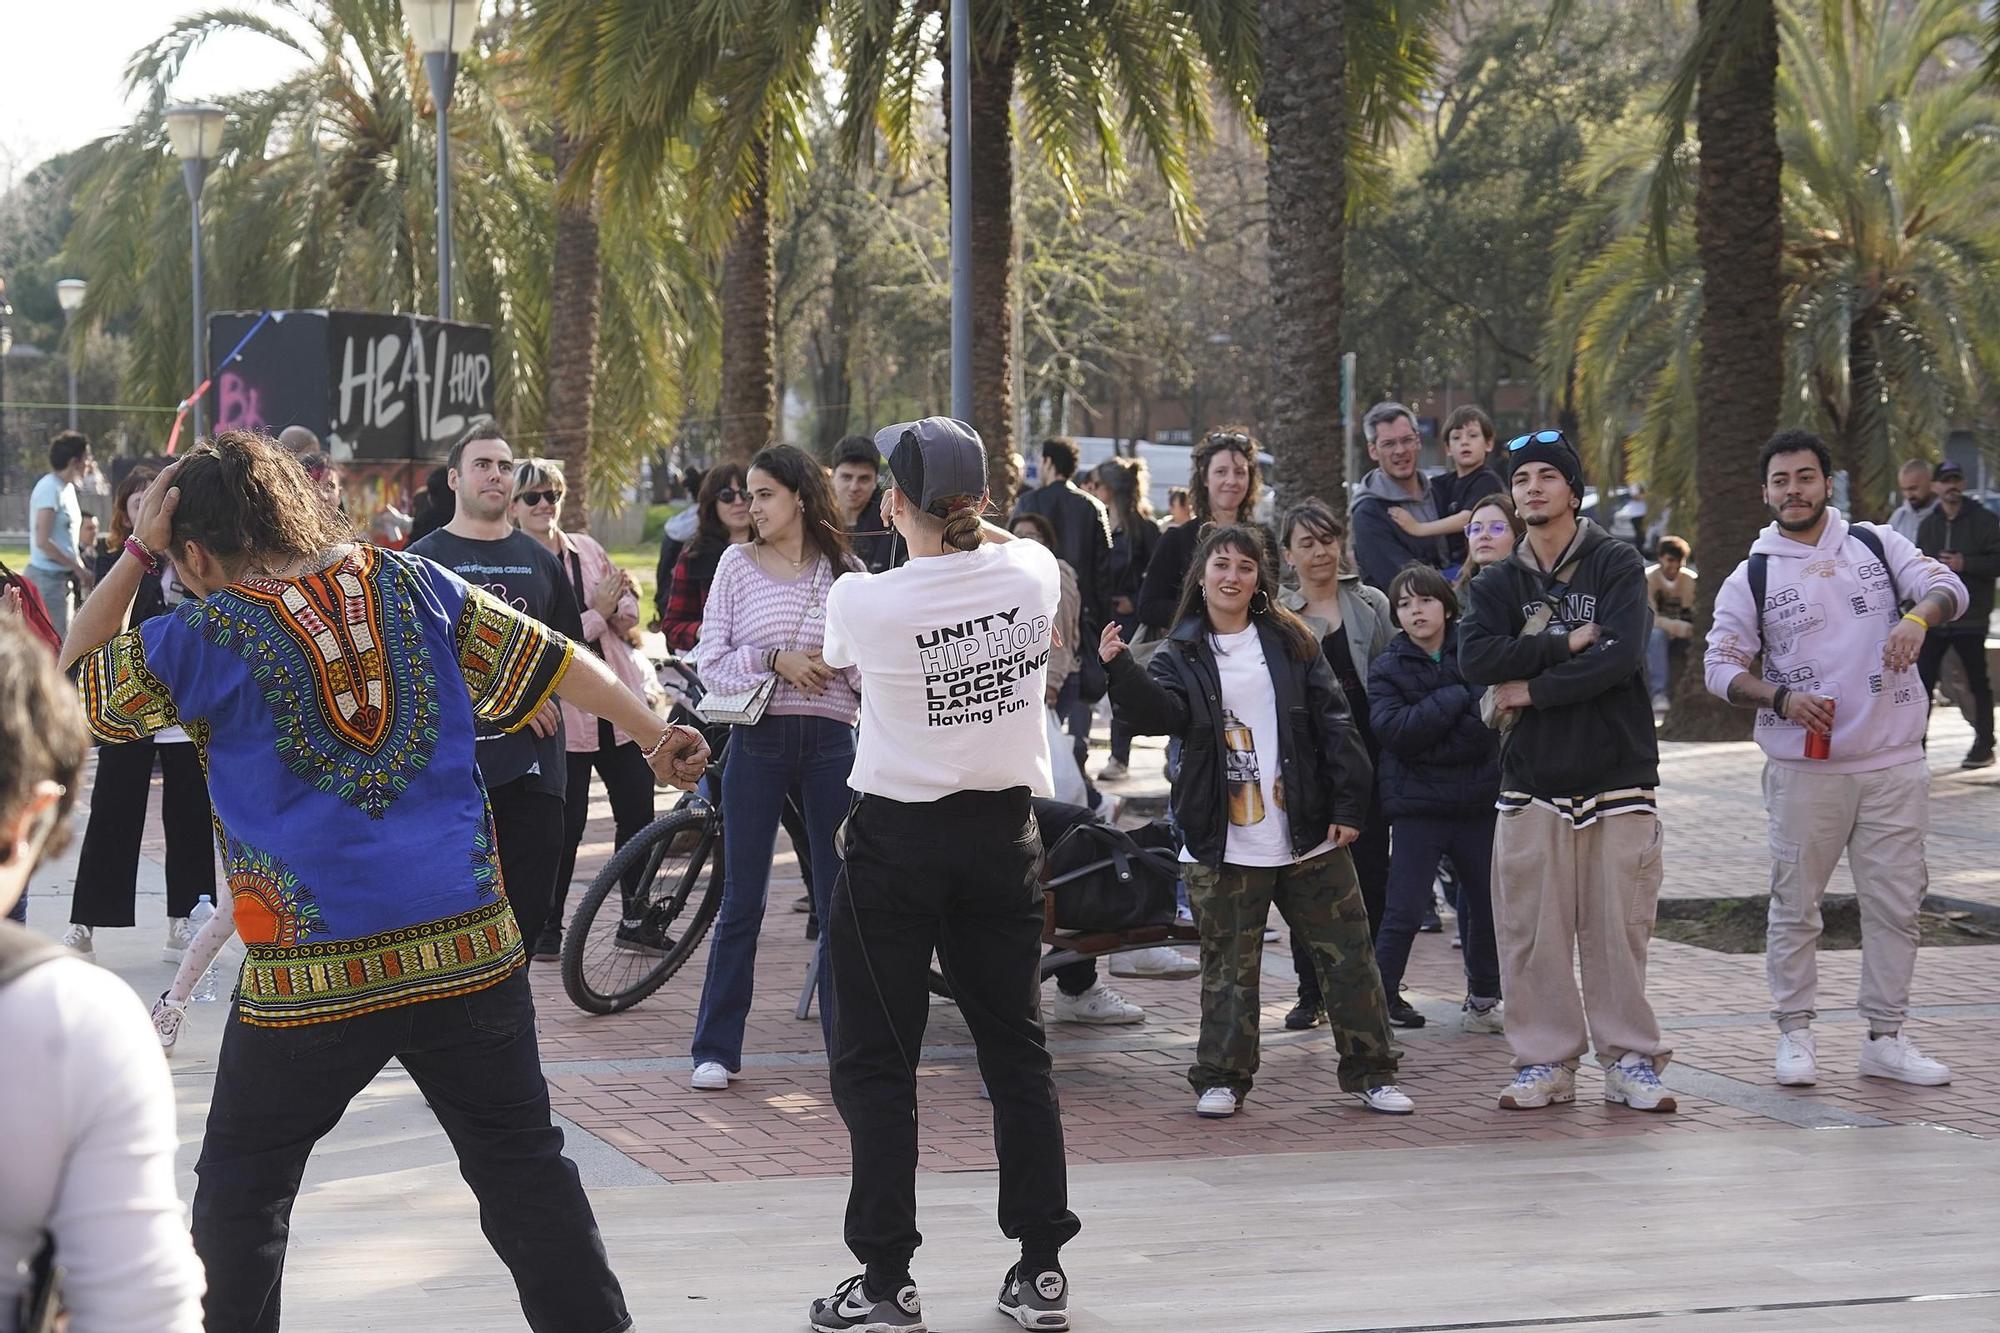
(1105, 878)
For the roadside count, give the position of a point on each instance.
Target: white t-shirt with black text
(1252, 780)
(953, 652)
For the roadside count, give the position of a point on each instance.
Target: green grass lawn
(15, 556)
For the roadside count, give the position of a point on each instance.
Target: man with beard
(1964, 536)
(524, 771)
(1560, 629)
(1820, 599)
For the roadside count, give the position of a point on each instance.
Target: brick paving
(1125, 1098)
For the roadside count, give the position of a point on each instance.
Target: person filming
(941, 855)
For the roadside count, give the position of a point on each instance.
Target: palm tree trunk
(1738, 229)
(575, 291)
(1303, 105)
(748, 405)
(992, 112)
(1864, 438)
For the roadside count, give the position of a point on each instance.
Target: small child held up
(1468, 437)
(1439, 779)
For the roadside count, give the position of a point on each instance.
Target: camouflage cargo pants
(1320, 900)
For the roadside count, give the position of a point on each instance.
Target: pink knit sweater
(749, 613)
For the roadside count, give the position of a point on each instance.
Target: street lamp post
(69, 295)
(442, 31)
(195, 130)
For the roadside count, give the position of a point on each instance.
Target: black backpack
(1102, 877)
(41, 1292)
(1760, 567)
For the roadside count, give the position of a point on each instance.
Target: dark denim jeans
(279, 1090)
(1417, 846)
(765, 762)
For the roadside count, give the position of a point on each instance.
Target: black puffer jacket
(1326, 772)
(1438, 758)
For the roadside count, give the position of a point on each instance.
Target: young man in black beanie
(1559, 629)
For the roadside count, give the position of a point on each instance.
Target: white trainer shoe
(1386, 1099)
(1897, 1057)
(1489, 1022)
(1162, 962)
(1217, 1104)
(167, 1018)
(1100, 1004)
(710, 1076)
(1539, 1085)
(180, 934)
(1113, 771)
(1635, 1083)
(77, 940)
(1797, 1065)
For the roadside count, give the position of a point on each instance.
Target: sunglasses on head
(729, 495)
(1537, 437)
(533, 498)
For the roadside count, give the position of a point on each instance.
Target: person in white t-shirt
(86, 1106)
(56, 563)
(1274, 785)
(941, 855)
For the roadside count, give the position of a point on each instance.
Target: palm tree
(323, 197)
(1090, 75)
(1886, 230)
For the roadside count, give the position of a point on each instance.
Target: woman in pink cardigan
(610, 611)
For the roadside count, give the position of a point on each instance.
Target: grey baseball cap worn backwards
(934, 459)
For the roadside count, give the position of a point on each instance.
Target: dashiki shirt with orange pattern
(335, 716)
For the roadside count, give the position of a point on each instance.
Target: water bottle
(203, 913)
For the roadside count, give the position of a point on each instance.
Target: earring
(1257, 610)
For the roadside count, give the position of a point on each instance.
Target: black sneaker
(1304, 1015)
(1431, 924)
(643, 937)
(1403, 1014)
(1979, 756)
(849, 1310)
(548, 944)
(1039, 1301)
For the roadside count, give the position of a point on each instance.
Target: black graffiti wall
(371, 386)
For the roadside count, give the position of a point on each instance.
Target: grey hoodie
(1380, 547)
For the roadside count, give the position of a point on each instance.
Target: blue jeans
(1417, 843)
(764, 763)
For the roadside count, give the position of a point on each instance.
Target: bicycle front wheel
(623, 945)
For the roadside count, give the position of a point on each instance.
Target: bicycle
(611, 960)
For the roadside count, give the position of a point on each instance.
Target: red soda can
(1819, 744)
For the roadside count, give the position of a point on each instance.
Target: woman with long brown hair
(766, 622)
(1272, 789)
(107, 868)
(723, 507)
(1225, 482)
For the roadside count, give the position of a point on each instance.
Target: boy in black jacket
(1559, 630)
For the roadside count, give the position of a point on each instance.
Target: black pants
(279, 1090)
(1371, 866)
(528, 825)
(628, 781)
(1970, 645)
(107, 868)
(955, 876)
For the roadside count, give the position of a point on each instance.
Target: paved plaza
(1753, 1208)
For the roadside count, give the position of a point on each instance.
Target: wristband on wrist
(1778, 700)
(1917, 620)
(648, 754)
(138, 551)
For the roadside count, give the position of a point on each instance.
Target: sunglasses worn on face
(533, 498)
(729, 495)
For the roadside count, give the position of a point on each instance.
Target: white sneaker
(1897, 1057)
(710, 1076)
(1797, 1066)
(1216, 1104)
(1109, 807)
(1488, 1022)
(180, 934)
(1635, 1083)
(77, 940)
(167, 1017)
(1271, 935)
(1100, 1004)
(1539, 1085)
(1114, 772)
(1161, 961)
(1386, 1099)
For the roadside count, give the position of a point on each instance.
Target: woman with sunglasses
(610, 605)
(1273, 789)
(724, 509)
(1353, 623)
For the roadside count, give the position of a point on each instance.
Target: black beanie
(1558, 453)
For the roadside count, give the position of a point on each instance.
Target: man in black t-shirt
(523, 772)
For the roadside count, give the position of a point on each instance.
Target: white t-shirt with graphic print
(1252, 780)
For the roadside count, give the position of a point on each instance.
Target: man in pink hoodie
(1839, 662)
